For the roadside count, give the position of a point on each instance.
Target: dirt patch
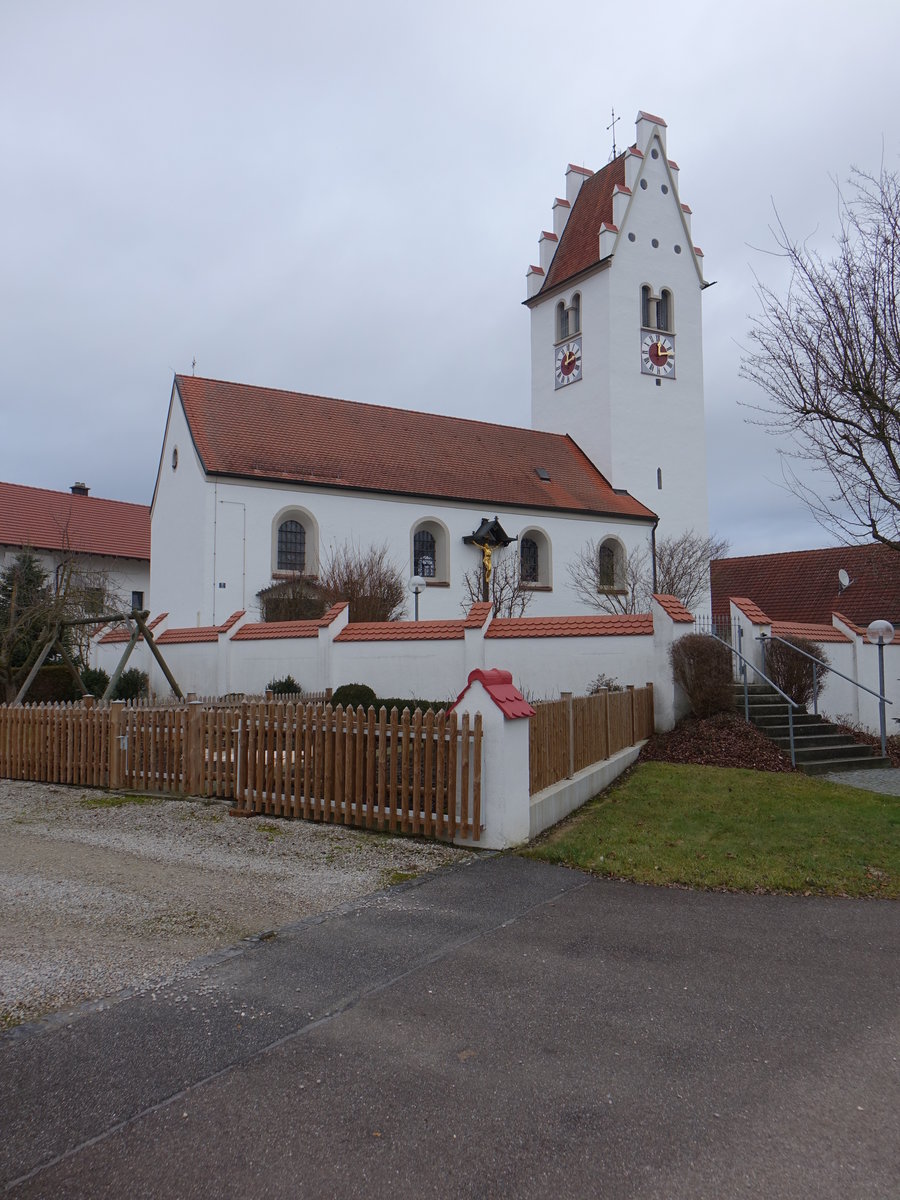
(97, 895)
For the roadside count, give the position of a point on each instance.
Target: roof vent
(543, 473)
(79, 489)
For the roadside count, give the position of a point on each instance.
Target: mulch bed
(725, 740)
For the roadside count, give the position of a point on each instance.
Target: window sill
(288, 575)
(437, 583)
(612, 591)
(537, 587)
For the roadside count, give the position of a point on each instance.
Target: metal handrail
(773, 637)
(793, 703)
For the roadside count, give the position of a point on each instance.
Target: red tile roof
(262, 433)
(601, 626)
(401, 631)
(46, 520)
(122, 633)
(814, 633)
(579, 246)
(802, 585)
(675, 609)
(235, 616)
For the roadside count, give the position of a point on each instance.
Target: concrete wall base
(556, 802)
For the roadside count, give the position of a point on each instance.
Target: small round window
(174, 458)
(644, 184)
(677, 249)
(654, 153)
(631, 237)
(665, 189)
(655, 243)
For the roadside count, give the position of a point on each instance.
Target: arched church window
(291, 547)
(562, 322)
(610, 565)
(648, 314)
(575, 315)
(664, 310)
(528, 569)
(424, 554)
(657, 312)
(568, 319)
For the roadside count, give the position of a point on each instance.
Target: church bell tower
(616, 343)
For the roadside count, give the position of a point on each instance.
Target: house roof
(48, 520)
(263, 433)
(802, 585)
(579, 246)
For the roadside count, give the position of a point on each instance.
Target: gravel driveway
(101, 892)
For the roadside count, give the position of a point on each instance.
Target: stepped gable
(262, 433)
(49, 520)
(802, 585)
(579, 245)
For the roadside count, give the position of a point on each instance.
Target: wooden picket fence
(570, 734)
(416, 773)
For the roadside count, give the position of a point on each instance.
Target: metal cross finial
(193, 366)
(612, 126)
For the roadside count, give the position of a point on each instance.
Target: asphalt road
(505, 1029)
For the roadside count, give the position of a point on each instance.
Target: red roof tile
(650, 117)
(235, 616)
(46, 520)
(802, 585)
(814, 633)
(401, 631)
(122, 633)
(266, 630)
(196, 633)
(478, 614)
(579, 246)
(261, 433)
(675, 609)
(602, 626)
(751, 610)
(501, 689)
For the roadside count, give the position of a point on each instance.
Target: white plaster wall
(181, 530)
(187, 515)
(839, 698)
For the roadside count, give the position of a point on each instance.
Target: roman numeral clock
(657, 354)
(567, 363)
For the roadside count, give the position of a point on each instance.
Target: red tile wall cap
(333, 613)
(267, 630)
(673, 607)
(630, 625)
(621, 189)
(401, 631)
(698, 252)
(120, 633)
(478, 615)
(536, 270)
(501, 689)
(563, 203)
(650, 117)
(634, 150)
(674, 165)
(232, 620)
(813, 633)
(686, 208)
(608, 225)
(580, 170)
(751, 610)
(201, 633)
(551, 237)
(860, 629)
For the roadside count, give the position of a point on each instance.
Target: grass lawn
(719, 827)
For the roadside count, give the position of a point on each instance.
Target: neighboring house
(257, 485)
(807, 586)
(106, 542)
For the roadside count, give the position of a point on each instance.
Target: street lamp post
(417, 586)
(881, 634)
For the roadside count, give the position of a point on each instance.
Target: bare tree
(300, 599)
(629, 589)
(508, 594)
(29, 610)
(368, 579)
(828, 360)
(682, 570)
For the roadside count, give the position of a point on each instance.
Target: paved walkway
(886, 780)
(507, 1029)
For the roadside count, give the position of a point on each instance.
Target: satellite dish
(843, 578)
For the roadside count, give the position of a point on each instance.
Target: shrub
(352, 695)
(792, 672)
(604, 683)
(96, 680)
(400, 703)
(300, 599)
(702, 666)
(284, 687)
(53, 684)
(133, 685)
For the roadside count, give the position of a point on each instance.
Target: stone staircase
(819, 746)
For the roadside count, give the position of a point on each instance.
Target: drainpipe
(653, 551)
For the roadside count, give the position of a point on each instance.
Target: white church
(257, 485)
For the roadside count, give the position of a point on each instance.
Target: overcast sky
(344, 198)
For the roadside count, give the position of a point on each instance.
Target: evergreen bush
(352, 695)
(288, 686)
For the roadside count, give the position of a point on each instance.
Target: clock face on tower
(657, 354)
(567, 363)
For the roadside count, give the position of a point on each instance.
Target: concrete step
(825, 741)
(826, 766)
